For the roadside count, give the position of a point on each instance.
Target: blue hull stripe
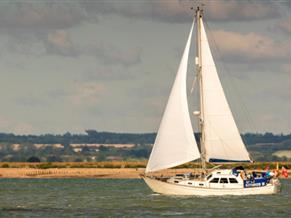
(213, 160)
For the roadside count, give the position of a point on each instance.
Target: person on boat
(254, 174)
(243, 175)
(269, 174)
(236, 171)
(284, 172)
(276, 173)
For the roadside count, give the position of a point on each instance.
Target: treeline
(30, 153)
(23, 148)
(255, 138)
(93, 136)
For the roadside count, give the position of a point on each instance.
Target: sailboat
(220, 140)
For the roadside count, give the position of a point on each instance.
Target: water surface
(127, 198)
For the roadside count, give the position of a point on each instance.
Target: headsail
(222, 138)
(175, 143)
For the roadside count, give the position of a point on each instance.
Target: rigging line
(232, 85)
(193, 84)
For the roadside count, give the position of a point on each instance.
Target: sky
(72, 65)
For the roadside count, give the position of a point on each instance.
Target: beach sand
(118, 173)
(122, 173)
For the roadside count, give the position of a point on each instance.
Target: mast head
(199, 10)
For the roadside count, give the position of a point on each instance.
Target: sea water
(127, 198)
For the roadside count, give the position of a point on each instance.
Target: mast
(199, 14)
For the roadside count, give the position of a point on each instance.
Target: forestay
(222, 138)
(175, 143)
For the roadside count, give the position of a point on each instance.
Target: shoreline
(97, 173)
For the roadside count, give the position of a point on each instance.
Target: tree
(101, 157)
(33, 159)
(54, 159)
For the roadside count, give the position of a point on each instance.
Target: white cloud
(250, 47)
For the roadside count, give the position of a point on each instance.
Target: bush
(5, 165)
(33, 159)
(45, 166)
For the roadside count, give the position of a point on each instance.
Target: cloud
(56, 42)
(55, 15)
(16, 127)
(110, 54)
(30, 101)
(4, 122)
(24, 44)
(234, 10)
(109, 73)
(286, 68)
(250, 47)
(59, 42)
(82, 93)
(57, 93)
(87, 93)
(41, 15)
(60, 38)
(23, 128)
(179, 10)
(285, 26)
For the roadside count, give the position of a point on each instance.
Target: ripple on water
(127, 198)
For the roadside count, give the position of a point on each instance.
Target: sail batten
(222, 138)
(175, 143)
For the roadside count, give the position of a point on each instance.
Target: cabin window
(176, 181)
(214, 180)
(190, 183)
(208, 177)
(223, 180)
(233, 180)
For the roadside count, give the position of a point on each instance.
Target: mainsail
(175, 143)
(222, 139)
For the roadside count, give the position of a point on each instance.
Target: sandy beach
(121, 173)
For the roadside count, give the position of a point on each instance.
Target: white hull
(166, 188)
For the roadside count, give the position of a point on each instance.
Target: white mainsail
(222, 138)
(175, 143)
